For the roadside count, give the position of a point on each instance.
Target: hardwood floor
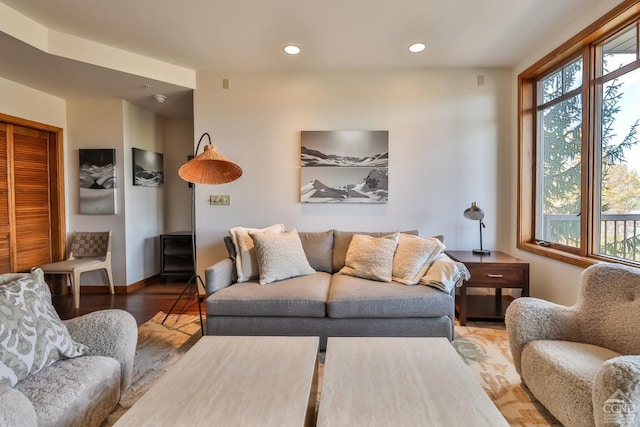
(143, 304)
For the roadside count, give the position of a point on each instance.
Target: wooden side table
(495, 271)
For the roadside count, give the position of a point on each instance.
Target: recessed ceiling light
(417, 47)
(292, 49)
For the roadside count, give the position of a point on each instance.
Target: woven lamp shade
(210, 167)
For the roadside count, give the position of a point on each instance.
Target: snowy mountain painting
(147, 168)
(97, 179)
(344, 167)
(344, 148)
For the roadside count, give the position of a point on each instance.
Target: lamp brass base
(481, 251)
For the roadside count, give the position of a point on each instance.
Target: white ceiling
(249, 35)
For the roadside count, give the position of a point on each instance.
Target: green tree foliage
(562, 136)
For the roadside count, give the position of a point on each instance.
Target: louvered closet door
(5, 225)
(31, 197)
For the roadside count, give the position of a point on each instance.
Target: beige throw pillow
(371, 257)
(280, 256)
(246, 261)
(413, 257)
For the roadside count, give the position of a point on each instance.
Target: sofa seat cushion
(74, 392)
(356, 297)
(303, 296)
(560, 374)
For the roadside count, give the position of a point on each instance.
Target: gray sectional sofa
(325, 303)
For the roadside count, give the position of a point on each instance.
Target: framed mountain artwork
(346, 166)
(147, 168)
(97, 179)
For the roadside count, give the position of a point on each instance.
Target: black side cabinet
(176, 256)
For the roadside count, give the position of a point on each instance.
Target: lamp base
(481, 251)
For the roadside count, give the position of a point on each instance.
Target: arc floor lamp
(209, 167)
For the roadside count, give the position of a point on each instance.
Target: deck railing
(619, 234)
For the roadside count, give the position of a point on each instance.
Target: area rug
(159, 347)
(483, 346)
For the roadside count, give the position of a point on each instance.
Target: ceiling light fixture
(417, 47)
(292, 49)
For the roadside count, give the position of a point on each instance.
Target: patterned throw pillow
(32, 336)
(371, 257)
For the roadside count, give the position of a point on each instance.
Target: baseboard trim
(121, 289)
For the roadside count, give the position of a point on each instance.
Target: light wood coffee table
(401, 382)
(234, 381)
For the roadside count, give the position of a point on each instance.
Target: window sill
(569, 258)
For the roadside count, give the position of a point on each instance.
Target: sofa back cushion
(342, 240)
(318, 246)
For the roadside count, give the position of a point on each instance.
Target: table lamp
(477, 214)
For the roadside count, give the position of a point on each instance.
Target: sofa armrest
(219, 275)
(530, 319)
(16, 409)
(616, 392)
(112, 333)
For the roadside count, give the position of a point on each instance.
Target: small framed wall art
(344, 166)
(97, 178)
(148, 168)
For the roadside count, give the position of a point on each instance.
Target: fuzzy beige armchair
(583, 362)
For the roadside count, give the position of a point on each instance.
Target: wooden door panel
(32, 201)
(5, 229)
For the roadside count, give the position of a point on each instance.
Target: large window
(579, 171)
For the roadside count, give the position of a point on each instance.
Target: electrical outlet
(220, 199)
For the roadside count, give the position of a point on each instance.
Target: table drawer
(496, 275)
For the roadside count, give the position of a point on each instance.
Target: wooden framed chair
(89, 251)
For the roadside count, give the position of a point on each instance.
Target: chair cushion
(560, 374)
(74, 392)
(303, 296)
(356, 297)
(31, 332)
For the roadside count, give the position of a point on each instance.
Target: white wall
(551, 280)
(30, 104)
(178, 145)
(97, 124)
(447, 136)
(145, 205)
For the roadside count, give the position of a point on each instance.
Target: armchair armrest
(112, 333)
(530, 319)
(616, 392)
(15, 409)
(219, 275)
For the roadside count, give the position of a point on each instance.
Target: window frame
(582, 44)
